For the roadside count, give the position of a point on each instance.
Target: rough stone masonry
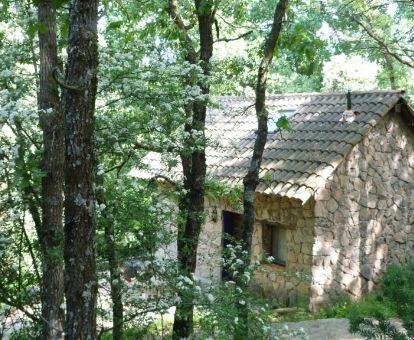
(340, 241)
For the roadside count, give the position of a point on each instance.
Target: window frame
(274, 228)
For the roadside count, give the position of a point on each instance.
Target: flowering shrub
(222, 306)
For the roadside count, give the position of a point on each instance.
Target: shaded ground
(325, 329)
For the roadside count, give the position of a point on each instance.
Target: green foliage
(20, 175)
(343, 307)
(60, 3)
(216, 189)
(142, 93)
(268, 177)
(33, 29)
(134, 331)
(221, 307)
(283, 123)
(115, 25)
(338, 309)
(394, 298)
(380, 328)
(371, 305)
(28, 332)
(397, 289)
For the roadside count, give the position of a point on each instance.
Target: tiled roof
(297, 162)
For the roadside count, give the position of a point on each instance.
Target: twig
(132, 317)
(154, 148)
(236, 38)
(119, 166)
(173, 11)
(381, 43)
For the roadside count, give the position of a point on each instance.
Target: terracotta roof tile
(295, 163)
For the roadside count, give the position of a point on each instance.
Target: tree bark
(51, 233)
(389, 66)
(251, 180)
(80, 214)
(194, 165)
(116, 288)
(110, 253)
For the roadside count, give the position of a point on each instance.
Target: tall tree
(80, 216)
(379, 29)
(110, 254)
(51, 120)
(193, 157)
(251, 180)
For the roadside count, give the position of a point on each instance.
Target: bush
(231, 310)
(28, 331)
(397, 288)
(338, 309)
(371, 306)
(394, 298)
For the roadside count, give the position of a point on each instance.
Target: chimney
(348, 100)
(349, 115)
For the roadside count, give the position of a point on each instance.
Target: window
(275, 243)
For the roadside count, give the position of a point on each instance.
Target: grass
(343, 307)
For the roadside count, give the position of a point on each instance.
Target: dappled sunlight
(364, 216)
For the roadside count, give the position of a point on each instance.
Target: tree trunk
(194, 171)
(389, 66)
(51, 233)
(80, 215)
(116, 288)
(251, 180)
(110, 253)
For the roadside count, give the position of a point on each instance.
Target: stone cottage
(335, 204)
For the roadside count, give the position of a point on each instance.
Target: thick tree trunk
(80, 215)
(251, 180)
(51, 233)
(194, 171)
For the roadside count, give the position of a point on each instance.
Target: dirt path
(325, 329)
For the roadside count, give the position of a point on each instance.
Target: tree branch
(56, 74)
(174, 13)
(381, 43)
(20, 307)
(147, 147)
(236, 38)
(119, 167)
(251, 180)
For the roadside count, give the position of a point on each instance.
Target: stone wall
(210, 243)
(287, 283)
(359, 223)
(364, 217)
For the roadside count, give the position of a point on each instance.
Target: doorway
(232, 231)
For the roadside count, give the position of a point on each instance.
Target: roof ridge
(308, 94)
